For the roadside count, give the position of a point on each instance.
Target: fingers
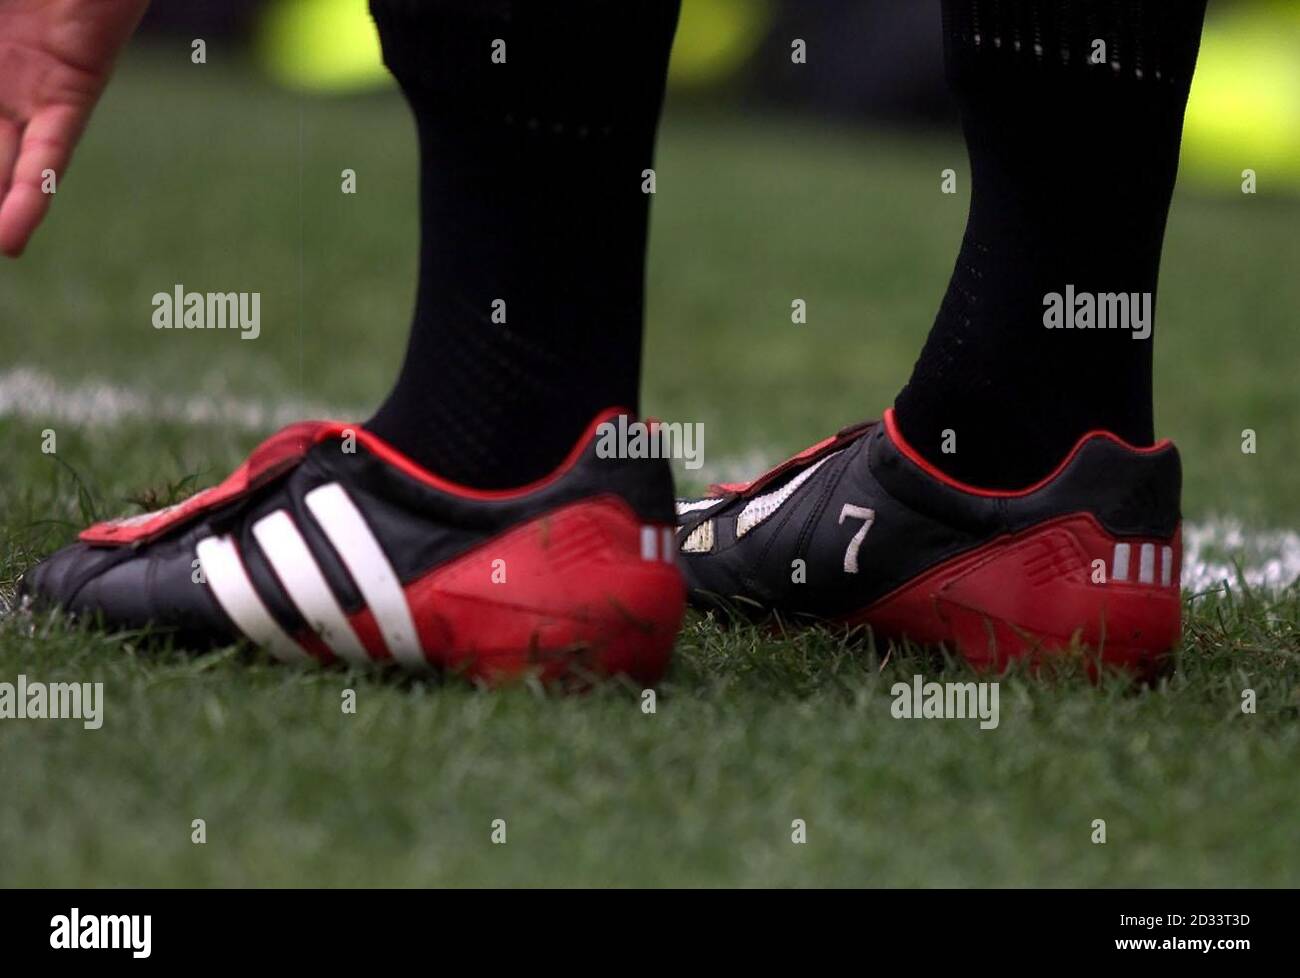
(21, 212)
(27, 163)
(10, 133)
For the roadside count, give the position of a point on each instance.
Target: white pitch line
(1269, 559)
(33, 395)
(1213, 549)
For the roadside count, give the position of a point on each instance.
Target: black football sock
(536, 122)
(1072, 169)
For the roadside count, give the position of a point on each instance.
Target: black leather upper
(418, 526)
(918, 522)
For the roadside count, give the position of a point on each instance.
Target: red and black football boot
(328, 544)
(860, 529)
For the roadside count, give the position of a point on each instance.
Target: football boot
(328, 545)
(860, 529)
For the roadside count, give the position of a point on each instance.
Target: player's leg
(535, 122)
(1073, 115)
(1012, 500)
(473, 523)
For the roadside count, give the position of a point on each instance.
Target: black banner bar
(335, 928)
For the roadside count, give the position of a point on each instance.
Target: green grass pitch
(206, 177)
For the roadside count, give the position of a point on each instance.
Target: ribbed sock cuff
(1126, 43)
